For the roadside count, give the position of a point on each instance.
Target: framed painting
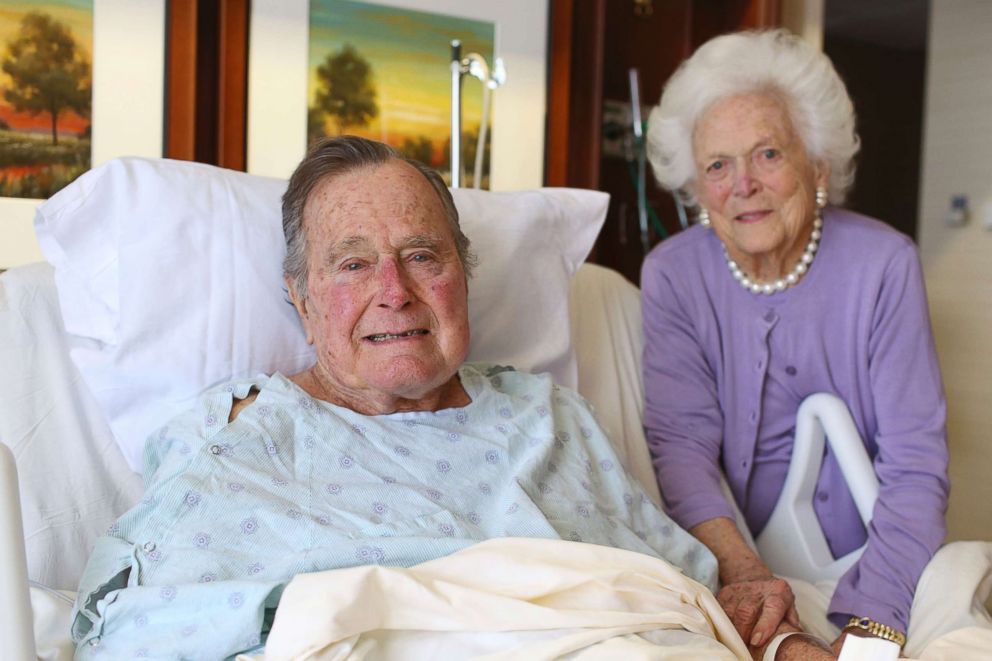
(118, 64)
(406, 43)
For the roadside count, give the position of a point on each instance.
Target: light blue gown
(234, 510)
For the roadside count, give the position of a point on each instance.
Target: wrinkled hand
(757, 607)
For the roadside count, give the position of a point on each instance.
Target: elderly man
(388, 450)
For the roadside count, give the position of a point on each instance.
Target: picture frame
(277, 84)
(128, 64)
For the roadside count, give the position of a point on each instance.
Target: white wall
(128, 97)
(957, 261)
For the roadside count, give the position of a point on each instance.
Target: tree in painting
(48, 69)
(420, 149)
(346, 89)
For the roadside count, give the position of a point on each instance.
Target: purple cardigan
(725, 371)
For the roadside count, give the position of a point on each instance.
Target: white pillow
(170, 281)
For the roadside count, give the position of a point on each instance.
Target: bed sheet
(608, 338)
(73, 480)
(949, 622)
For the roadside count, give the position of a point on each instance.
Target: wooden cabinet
(593, 45)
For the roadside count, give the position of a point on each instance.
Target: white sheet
(73, 480)
(607, 336)
(949, 621)
(506, 598)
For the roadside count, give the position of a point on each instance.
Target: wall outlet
(957, 214)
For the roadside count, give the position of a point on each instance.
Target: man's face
(387, 297)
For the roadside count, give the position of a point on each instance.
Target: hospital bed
(126, 245)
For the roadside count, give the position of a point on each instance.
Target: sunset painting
(384, 73)
(46, 56)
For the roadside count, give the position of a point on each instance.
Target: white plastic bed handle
(16, 626)
(792, 543)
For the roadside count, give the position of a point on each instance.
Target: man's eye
(352, 266)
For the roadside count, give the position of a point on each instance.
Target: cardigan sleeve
(907, 523)
(682, 416)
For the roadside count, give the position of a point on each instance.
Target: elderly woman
(775, 296)
(388, 450)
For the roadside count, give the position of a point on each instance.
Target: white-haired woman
(772, 297)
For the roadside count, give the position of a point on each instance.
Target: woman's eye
(421, 257)
(770, 154)
(716, 169)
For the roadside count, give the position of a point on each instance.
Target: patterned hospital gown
(233, 511)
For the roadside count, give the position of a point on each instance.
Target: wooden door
(593, 45)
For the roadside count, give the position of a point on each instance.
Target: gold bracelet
(878, 629)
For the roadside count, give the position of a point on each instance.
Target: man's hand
(757, 608)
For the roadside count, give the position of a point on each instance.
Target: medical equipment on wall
(474, 65)
(624, 136)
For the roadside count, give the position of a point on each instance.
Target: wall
(128, 42)
(805, 18)
(957, 261)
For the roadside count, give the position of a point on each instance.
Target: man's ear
(300, 303)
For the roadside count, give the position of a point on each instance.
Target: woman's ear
(822, 174)
(300, 303)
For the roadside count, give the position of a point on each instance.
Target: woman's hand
(757, 608)
(755, 600)
(851, 631)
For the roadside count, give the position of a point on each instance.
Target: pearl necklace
(789, 280)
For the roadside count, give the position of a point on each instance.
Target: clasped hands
(762, 607)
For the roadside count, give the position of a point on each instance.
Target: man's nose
(394, 285)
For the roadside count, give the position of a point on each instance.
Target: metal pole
(642, 202)
(456, 113)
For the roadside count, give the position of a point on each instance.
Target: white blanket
(506, 598)
(546, 597)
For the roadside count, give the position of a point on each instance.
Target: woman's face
(756, 181)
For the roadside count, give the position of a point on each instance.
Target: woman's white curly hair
(745, 62)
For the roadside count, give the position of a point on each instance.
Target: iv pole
(474, 65)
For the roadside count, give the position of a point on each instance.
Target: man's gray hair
(334, 157)
(773, 61)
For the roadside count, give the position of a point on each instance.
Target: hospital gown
(233, 511)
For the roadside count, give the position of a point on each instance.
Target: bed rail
(792, 542)
(16, 624)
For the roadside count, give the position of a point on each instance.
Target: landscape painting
(384, 73)
(46, 49)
